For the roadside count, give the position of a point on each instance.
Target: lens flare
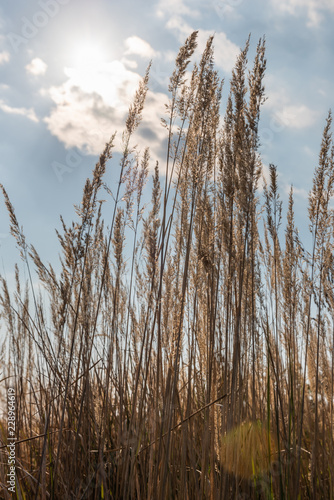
(247, 450)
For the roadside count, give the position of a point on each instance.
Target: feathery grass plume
(136, 108)
(15, 229)
(151, 232)
(177, 81)
(181, 62)
(256, 90)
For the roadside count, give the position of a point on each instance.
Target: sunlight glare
(88, 52)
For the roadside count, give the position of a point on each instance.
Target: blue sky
(69, 69)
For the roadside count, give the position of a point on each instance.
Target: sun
(92, 69)
(87, 53)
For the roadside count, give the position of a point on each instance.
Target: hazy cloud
(28, 113)
(169, 8)
(297, 116)
(36, 67)
(138, 46)
(4, 57)
(313, 9)
(285, 107)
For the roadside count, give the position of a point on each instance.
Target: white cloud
(314, 9)
(285, 109)
(36, 67)
(112, 81)
(169, 8)
(28, 113)
(293, 116)
(226, 51)
(93, 103)
(129, 63)
(264, 177)
(4, 57)
(138, 46)
(182, 29)
(227, 9)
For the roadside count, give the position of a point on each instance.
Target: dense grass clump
(186, 348)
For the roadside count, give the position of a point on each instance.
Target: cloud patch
(36, 67)
(4, 57)
(313, 9)
(169, 8)
(285, 107)
(137, 46)
(93, 103)
(28, 113)
(296, 116)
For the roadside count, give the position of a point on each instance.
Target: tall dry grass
(186, 346)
